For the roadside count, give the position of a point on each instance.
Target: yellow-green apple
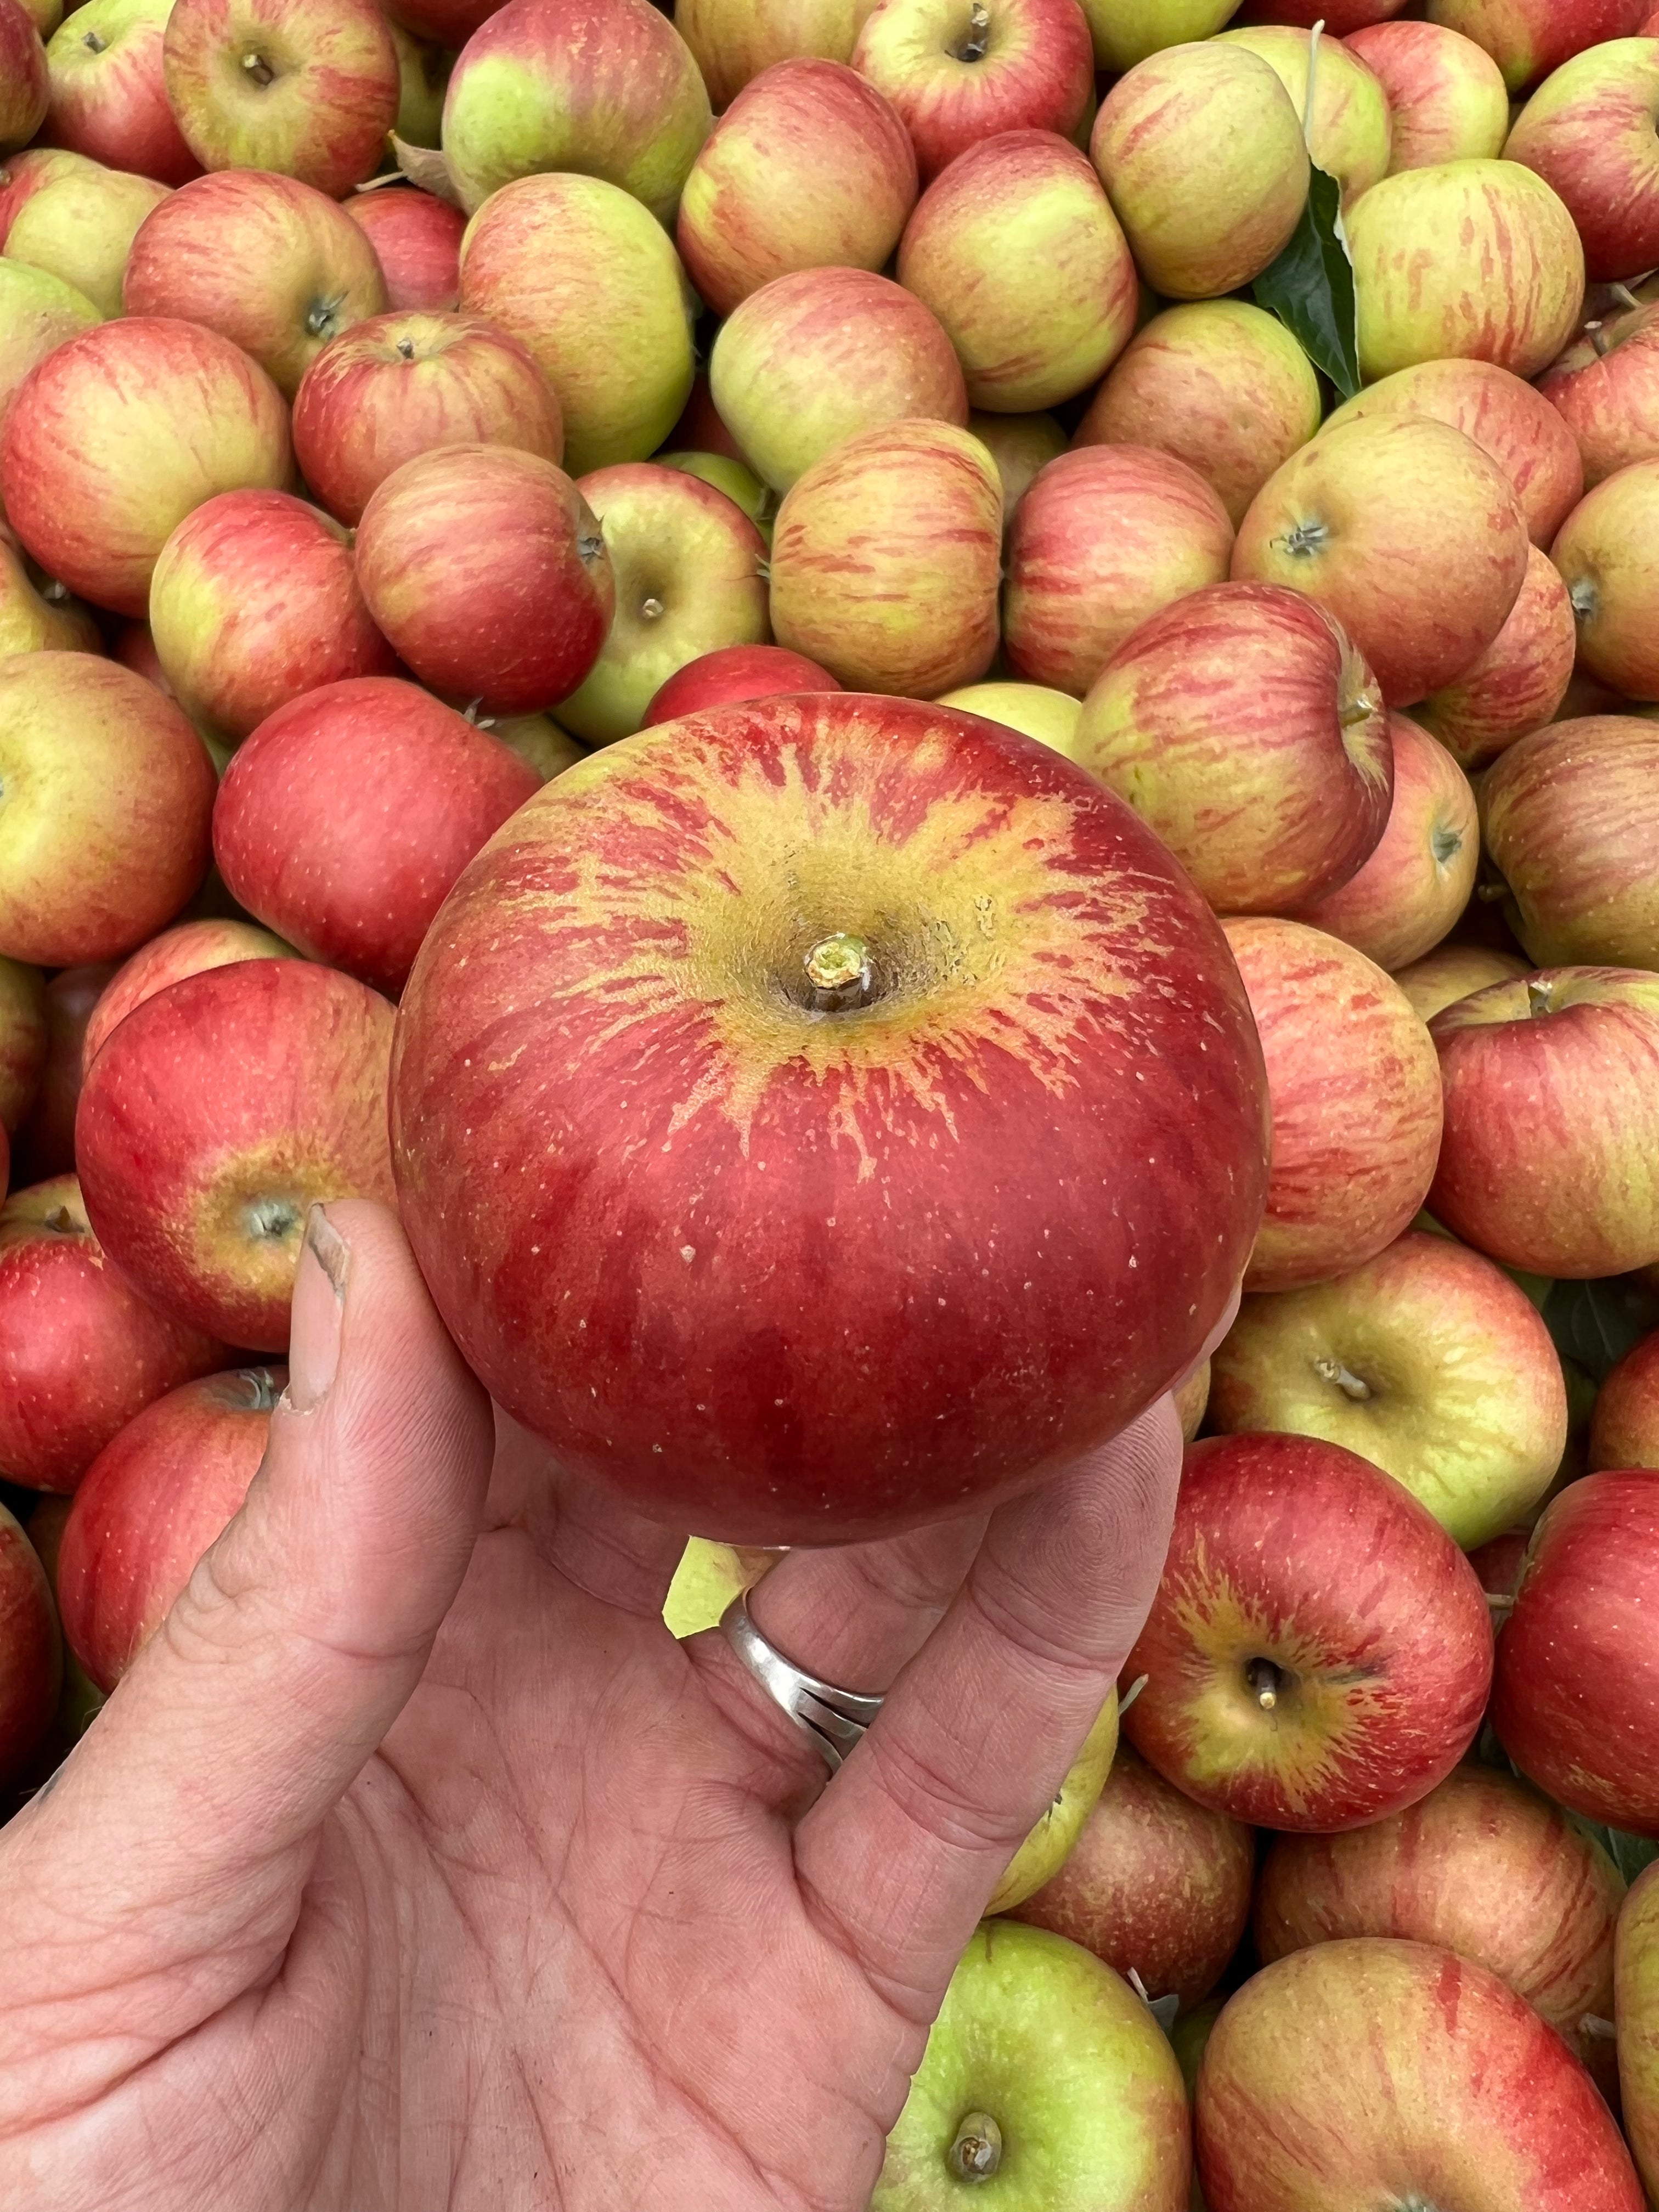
(960, 71)
(537, 738)
(1636, 2009)
(45, 1143)
(1378, 2072)
(1245, 727)
(155, 1498)
(403, 383)
(1589, 131)
(486, 570)
(738, 482)
(1350, 133)
(81, 1353)
(1046, 2077)
(707, 1579)
(108, 797)
(1319, 1652)
(1517, 684)
(1192, 1401)
(886, 556)
(1050, 717)
(109, 100)
(733, 673)
(877, 897)
(1020, 445)
(31, 1654)
(1355, 1093)
(1409, 893)
(1447, 98)
(1221, 385)
(38, 313)
(1429, 1361)
(254, 600)
(1528, 39)
(22, 1039)
(1550, 1160)
(809, 167)
(1200, 150)
(416, 239)
(40, 621)
(25, 87)
(1130, 31)
(733, 40)
(307, 88)
(1156, 1885)
(1016, 251)
(1608, 556)
(585, 275)
(1407, 531)
(345, 818)
(1571, 822)
(184, 949)
(1577, 1675)
(606, 87)
(689, 568)
(1474, 260)
(215, 1117)
(81, 228)
(422, 80)
(1052, 1841)
(1105, 537)
(266, 261)
(1606, 388)
(1450, 972)
(814, 359)
(23, 175)
(1624, 1426)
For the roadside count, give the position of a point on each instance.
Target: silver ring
(835, 1719)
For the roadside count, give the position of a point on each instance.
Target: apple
(1517, 684)
(23, 175)
(606, 87)
(1451, 972)
(1243, 725)
(1192, 1400)
(184, 949)
(1050, 717)
(445, 22)
(707, 1579)
(1528, 39)
(307, 87)
(268, 262)
(1379, 2072)
(850, 835)
(25, 85)
(154, 1500)
(1636, 1981)
(733, 673)
(1052, 1840)
(1130, 31)
(957, 77)
(22, 1039)
(1156, 1884)
(886, 560)
(1351, 134)
(31, 1654)
(1201, 153)
(812, 360)
(1105, 537)
(1319, 1652)
(1429, 1361)
(1625, 1426)
(579, 272)
(1355, 1093)
(1020, 445)
(1571, 815)
(1589, 131)
(1608, 558)
(254, 600)
(739, 483)
(1220, 384)
(416, 239)
(1404, 530)
(1606, 388)
(347, 814)
(1552, 1120)
(1447, 97)
(81, 228)
(33, 621)
(82, 1352)
(215, 1117)
(109, 100)
(486, 569)
(733, 40)
(45, 1143)
(1340, 17)
(38, 313)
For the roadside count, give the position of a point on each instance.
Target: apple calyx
(272, 1220)
(1539, 1002)
(840, 974)
(259, 71)
(1349, 1384)
(62, 1222)
(651, 609)
(323, 317)
(405, 349)
(979, 33)
(260, 1384)
(1268, 1682)
(1586, 599)
(1304, 540)
(1444, 845)
(976, 2153)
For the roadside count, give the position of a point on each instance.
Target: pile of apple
(397, 408)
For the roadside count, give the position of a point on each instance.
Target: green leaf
(1310, 287)
(1596, 1323)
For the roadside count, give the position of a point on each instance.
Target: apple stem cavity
(1267, 1683)
(840, 975)
(976, 2153)
(1349, 1384)
(323, 320)
(979, 34)
(259, 69)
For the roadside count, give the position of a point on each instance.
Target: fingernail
(320, 1296)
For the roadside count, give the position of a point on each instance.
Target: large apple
(81, 228)
(31, 1655)
(1451, 972)
(1355, 1094)
(1528, 39)
(734, 40)
(1552, 1120)
(1447, 98)
(1350, 133)
(733, 673)
(959, 75)
(38, 313)
(416, 239)
(867, 892)
(1245, 727)
(44, 1144)
(22, 1039)
(1517, 684)
(1429, 1361)
(1590, 131)
(1608, 556)
(606, 87)
(1105, 537)
(1319, 1652)
(1407, 531)
(184, 949)
(109, 100)
(1636, 2006)
(1625, 1426)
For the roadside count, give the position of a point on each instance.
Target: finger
(900, 1855)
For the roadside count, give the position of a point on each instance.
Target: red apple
(1319, 1652)
(1528, 39)
(31, 1655)
(1450, 972)
(1517, 684)
(417, 241)
(25, 87)
(732, 674)
(1625, 1426)
(881, 884)
(45, 1139)
(1636, 1982)
(1447, 98)
(23, 175)
(347, 816)
(23, 1037)
(1606, 388)
(81, 1353)
(154, 1500)
(957, 77)
(1609, 556)
(184, 949)
(81, 229)
(109, 100)
(38, 311)
(1552, 1122)
(217, 1113)
(1591, 131)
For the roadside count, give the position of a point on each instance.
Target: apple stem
(1597, 335)
(1267, 1682)
(977, 2151)
(406, 349)
(94, 44)
(1625, 296)
(1598, 2030)
(651, 610)
(1500, 1604)
(1361, 708)
(1349, 1383)
(1132, 1693)
(979, 34)
(1538, 995)
(258, 69)
(1314, 38)
(60, 1221)
(839, 974)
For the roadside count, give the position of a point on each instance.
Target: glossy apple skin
(1625, 1426)
(1451, 972)
(881, 1408)
(38, 311)
(1589, 131)
(185, 950)
(31, 1653)
(1339, 18)
(218, 1114)
(1517, 684)
(1528, 39)
(1636, 1982)
(23, 1039)
(417, 241)
(1447, 98)
(109, 100)
(345, 818)
(1609, 556)
(25, 85)
(153, 1501)
(1605, 389)
(24, 174)
(1354, 2071)
(1036, 72)
(1578, 1679)
(82, 1352)
(1352, 131)
(1156, 1885)
(82, 226)
(46, 1140)
(732, 674)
